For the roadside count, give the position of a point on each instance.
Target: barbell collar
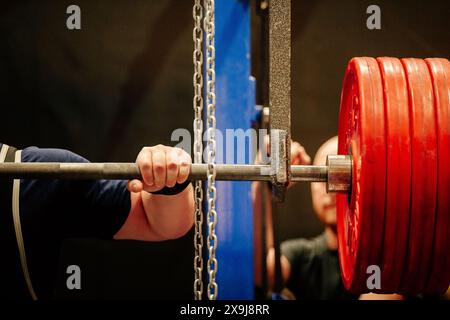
(339, 176)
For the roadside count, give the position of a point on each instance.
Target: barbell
(392, 174)
(340, 171)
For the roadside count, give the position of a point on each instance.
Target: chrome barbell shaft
(127, 171)
(77, 171)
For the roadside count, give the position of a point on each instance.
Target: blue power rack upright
(235, 105)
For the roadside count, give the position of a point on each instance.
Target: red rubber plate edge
(360, 221)
(439, 277)
(424, 176)
(398, 149)
(347, 258)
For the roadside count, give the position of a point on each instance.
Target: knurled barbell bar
(338, 172)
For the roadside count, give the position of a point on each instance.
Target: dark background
(124, 81)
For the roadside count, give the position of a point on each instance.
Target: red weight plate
(439, 277)
(398, 148)
(360, 216)
(424, 176)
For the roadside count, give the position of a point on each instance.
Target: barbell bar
(338, 172)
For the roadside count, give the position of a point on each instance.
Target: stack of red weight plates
(395, 122)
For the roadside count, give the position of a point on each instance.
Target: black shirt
(315, 271)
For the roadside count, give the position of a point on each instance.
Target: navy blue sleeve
(72, 208)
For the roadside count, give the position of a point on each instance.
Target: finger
(135, 186)
(299, 154)
(295, 153)
(172, 166)
(267, 144)
(185, 167)
(145, 164)
(304, 157)
(159, 166)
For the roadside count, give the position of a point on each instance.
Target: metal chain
(209, 28)
(197, 35)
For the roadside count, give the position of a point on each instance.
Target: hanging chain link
(197, 35)
(209, 28)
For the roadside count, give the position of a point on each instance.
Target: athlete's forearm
(172, 216)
